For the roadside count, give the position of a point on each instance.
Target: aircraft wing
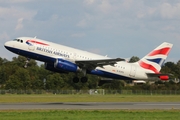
(92, 64)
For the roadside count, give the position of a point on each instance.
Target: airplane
(64, 59)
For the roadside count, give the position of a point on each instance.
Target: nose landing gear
(26, 63)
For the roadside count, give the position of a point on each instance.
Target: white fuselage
(46, 52)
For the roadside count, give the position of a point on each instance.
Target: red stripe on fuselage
(148, 66)
(36, 42)
(163, 51)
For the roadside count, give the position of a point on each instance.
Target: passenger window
(21, 41)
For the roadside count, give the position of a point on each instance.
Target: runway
(90, 105)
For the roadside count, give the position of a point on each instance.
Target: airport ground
(90, 115)
(86, 101)
(39, 98)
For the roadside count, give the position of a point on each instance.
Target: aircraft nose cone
(7, 45)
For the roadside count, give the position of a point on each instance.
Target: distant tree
(115, 85)
(21, 60)
(3, 60)
(13, 75)
(92, 81)
(170, 68)
(3, 72)
(178, 69)
(54, 81)
(19, 80)
(134, 59)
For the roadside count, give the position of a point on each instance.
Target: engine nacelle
(66, 66)
(50, 66)
(164, 78)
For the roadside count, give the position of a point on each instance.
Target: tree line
(13, 75)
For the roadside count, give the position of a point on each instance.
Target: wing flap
(92, 64)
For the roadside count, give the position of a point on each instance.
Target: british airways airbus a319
(63, 59)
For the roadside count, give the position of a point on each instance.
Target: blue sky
(117, 28)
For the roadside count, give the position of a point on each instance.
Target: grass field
(90, 115)
(14, 98)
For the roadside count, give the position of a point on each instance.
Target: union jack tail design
(155, 59)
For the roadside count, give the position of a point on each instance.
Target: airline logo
(155, 59)
(31, 42)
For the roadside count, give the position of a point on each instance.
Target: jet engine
(50, 66)
(65, 65)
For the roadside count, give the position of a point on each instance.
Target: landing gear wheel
(75, 79)
(84, 79)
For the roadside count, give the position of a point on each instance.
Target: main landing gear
(83, 79)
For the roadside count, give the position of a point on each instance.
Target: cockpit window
(18, 40)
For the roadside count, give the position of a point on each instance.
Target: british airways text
(52, 52)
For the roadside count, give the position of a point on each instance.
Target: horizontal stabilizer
(156, 75)
(163, 77)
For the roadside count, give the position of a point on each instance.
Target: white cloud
(5, 12)
(15, 13)
(127, 4)
(120, 23)
(19, 24)
(89, 2)
(82, 23)
(140, 15)
(167, 28)
(3, 37)
(105, 6)
(78, 35)
(170, 11)
(95, 50)
(15, 1)
(151, 10)
(20, 1)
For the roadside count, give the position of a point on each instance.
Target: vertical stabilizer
(155, 59)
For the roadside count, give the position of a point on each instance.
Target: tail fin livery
(155, 59)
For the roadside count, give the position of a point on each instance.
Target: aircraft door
(133, 71)
(74, 56)
(31, 47)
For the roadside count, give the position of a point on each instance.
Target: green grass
(90, 115)
(14, 98)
